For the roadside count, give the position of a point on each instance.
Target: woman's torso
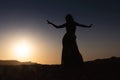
(71, 27)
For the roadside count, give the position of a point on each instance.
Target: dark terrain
(100, 69)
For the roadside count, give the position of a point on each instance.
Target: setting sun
(22, 50)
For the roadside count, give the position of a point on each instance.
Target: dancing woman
(70, 53)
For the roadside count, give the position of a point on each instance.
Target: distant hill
(14, 62)
(106, 60)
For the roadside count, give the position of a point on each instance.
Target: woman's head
(69, 18)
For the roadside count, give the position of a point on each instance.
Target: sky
(25, 20)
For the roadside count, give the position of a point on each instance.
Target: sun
(22, 50)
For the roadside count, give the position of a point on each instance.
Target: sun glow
(22, 50)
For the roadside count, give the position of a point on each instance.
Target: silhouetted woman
(70, 53)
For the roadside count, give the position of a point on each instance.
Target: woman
(70, 53)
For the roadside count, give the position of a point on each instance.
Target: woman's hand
(49, 22)
(90, 25)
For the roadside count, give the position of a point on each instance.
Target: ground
(100, 69)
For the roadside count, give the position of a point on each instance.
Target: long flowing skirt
(70, 53)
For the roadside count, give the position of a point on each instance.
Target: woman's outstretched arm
(56, 26)
(82, 25)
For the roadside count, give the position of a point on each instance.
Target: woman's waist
(70, 32)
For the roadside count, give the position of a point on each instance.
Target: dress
(70, 53)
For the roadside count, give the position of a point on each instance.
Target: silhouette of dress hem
(70, 53)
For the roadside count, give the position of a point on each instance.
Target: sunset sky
(23, 25)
